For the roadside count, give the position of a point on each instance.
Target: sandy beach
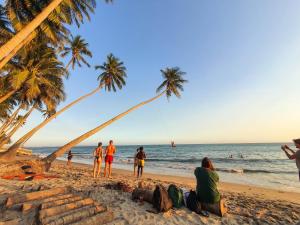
(246, 204)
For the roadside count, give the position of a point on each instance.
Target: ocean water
(262, 165)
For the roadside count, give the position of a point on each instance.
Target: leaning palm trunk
(49, 159)
(8, 122)
(27, 30)
(18, 47)
(7, 95)
(13, 149)
(17, 126)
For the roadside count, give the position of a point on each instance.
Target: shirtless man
(292, 154)
(109, 157)
(141, 156)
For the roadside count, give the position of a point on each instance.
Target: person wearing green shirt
(206, 189)
(207, 180)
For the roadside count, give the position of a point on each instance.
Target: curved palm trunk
(49, 159)
(13, 149)
(18, 47)
(7, 123)
(13, 131)
(7, 95)
(28, 29)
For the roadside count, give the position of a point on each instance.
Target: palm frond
(173, 82)
(113, 73)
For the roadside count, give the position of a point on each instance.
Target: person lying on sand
(109, 157)
(292, 154)
(141, 156)
(98, 155)
(206, 189)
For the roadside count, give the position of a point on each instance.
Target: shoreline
(249, 190)
(226, 178)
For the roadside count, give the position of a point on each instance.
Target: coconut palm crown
(114, 73)
(78, 48)
(173, 82)
(37, 75)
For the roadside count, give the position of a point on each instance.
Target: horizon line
(225, 143)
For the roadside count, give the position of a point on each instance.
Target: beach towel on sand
(161, 200)
(176, 195)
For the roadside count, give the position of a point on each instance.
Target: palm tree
(114, 74)
(7, 123)
(6, 137)
(78, 48)
(36, 79)
(73, 10)
(172, 84)
(32, 72)
(20, 13)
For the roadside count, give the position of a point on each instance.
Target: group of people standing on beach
(110, 150)
(139, 160)
(98, 154)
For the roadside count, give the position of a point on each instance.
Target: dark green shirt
(206, 189)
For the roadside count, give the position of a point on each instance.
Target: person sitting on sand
(206, 189)
(292, 154)
(70, 156)
(135, 161)
(109, 157)
(141, 156)
(98, 154)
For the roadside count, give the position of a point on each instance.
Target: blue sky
(241, 58)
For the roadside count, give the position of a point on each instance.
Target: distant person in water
(206, 189)
(98, 155)
(109, 157)
(70, 156)
(293, 155)
(135, 161)
(141, 156)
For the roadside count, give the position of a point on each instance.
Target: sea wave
(254, 171)
(197, 160)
